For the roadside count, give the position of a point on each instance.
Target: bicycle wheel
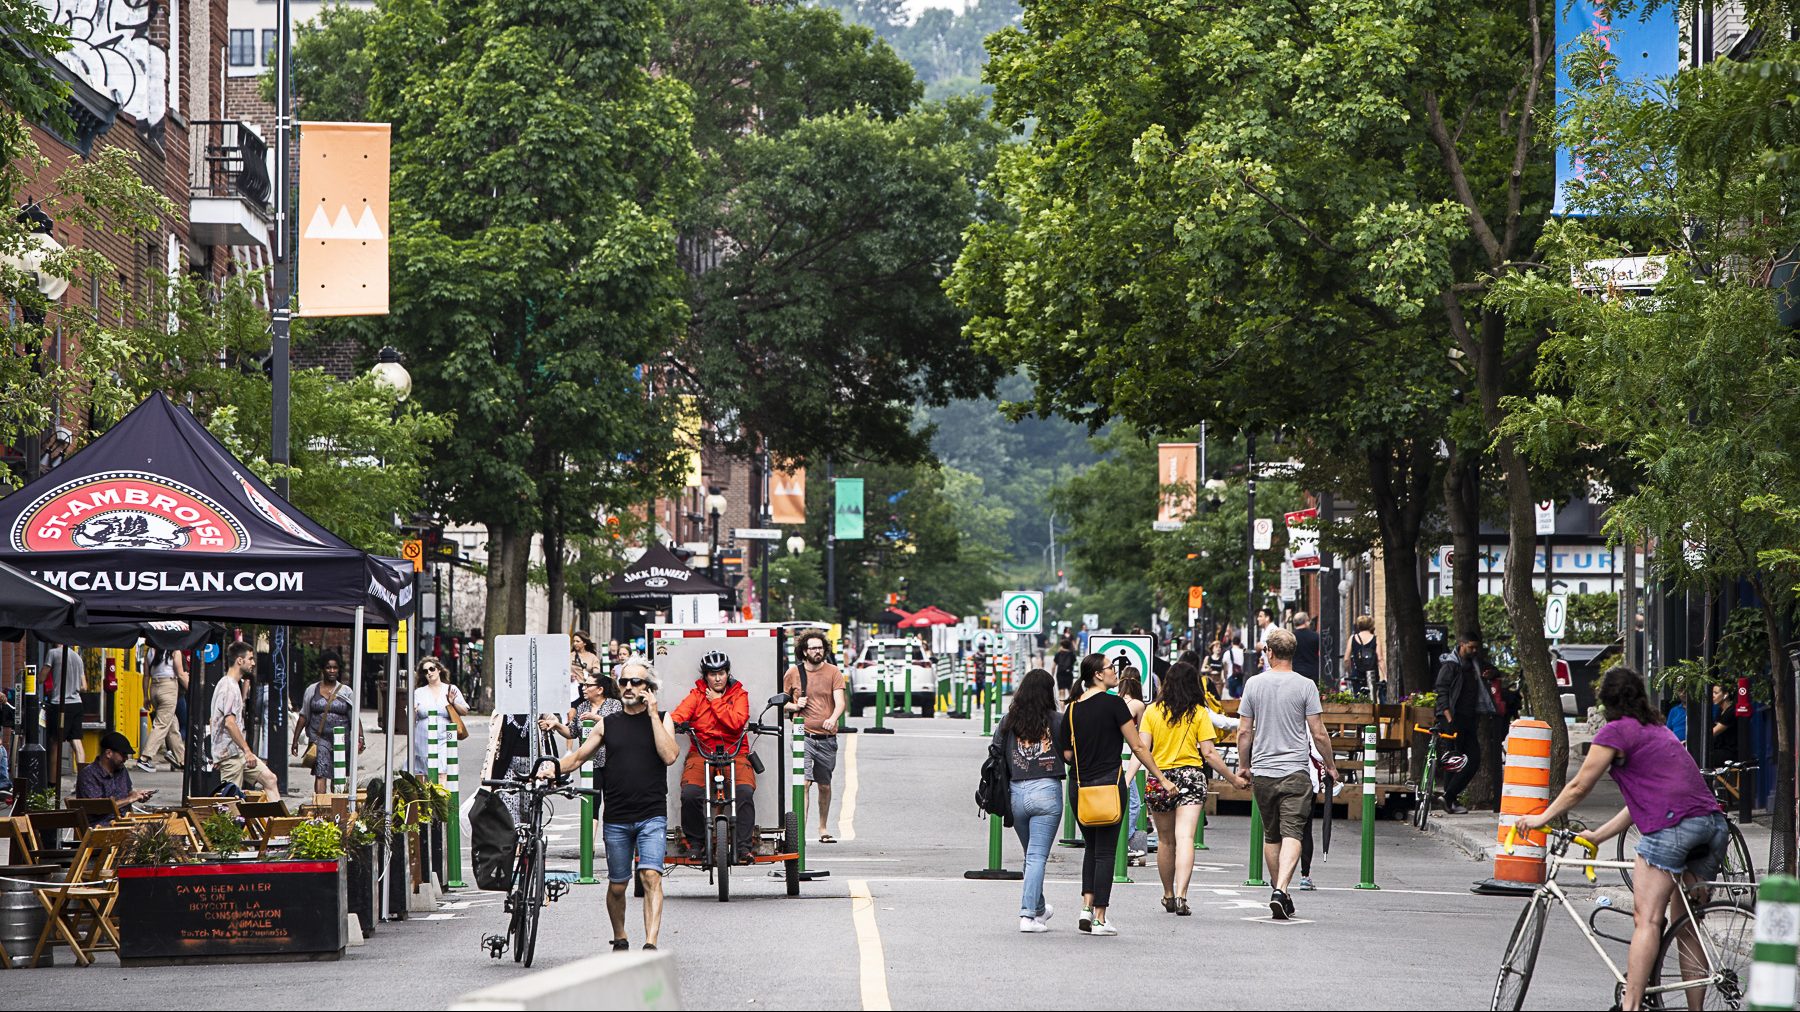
(1422, 812)
(723, 854)
(1521, 956)
(534, 901)
(1626, 850)
(1714, 947)
(1737, 864)
(520, 900)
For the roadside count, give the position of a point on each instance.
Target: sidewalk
(167, 783)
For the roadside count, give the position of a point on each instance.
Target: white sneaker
(1049, 912)
(1032, 926)
(145, 767)
(1103, 928)
(1086, 924)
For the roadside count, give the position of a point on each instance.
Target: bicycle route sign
(1125, 650)
(1022, 611)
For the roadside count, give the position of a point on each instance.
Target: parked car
(901, 654)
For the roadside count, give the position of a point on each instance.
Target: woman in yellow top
(1178, 733)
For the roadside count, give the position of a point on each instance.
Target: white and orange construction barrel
(1525, 790)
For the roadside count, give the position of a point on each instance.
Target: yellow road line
(847, 805)
(868, 944)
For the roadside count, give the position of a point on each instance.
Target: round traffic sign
(1124, 651)
(1021, 612)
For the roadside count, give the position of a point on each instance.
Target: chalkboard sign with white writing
(229, 911)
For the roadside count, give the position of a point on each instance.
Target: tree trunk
(1407, 669)
(509, 552)
(1781, 806)
(1400, 480)
(1462, 508)
(554, 568)
(1537, 680)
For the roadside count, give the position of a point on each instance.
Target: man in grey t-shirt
(1280, 723)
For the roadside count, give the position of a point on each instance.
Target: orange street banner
(343, 220)
(787, 496)
(687, 438)
(1176, 466)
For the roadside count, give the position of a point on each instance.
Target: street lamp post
(281, 305)
(715, 507)
(795, 545)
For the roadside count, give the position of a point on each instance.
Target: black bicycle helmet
(715, 660)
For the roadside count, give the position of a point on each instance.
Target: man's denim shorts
(647, 840)
(1696, 845)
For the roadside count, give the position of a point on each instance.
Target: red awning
(930, 615)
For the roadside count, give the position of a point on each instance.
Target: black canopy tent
(164, 634)
(657, 575)
(27, 602)
(157, 518)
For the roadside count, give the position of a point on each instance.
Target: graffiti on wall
(110, 48)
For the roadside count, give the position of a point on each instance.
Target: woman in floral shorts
(1178, 732)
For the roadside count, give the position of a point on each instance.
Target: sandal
(827, 838)
(1169, 904)
(1181, 907)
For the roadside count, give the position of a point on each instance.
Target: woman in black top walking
(1064, 663)
(1093, 730)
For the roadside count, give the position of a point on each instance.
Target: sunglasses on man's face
(630, 682)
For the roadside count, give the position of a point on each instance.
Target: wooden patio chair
(78, 911)
(21, 843)
(277, 828)
(256, 813)
(99, 811)
(47, 826)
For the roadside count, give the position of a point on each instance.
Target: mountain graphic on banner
(321, 227)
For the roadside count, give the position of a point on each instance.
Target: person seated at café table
(107, 777)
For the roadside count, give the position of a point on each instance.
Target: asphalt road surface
(895, 924)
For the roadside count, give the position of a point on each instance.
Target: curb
(1479, 846)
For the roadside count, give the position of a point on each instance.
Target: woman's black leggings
(1100, 849)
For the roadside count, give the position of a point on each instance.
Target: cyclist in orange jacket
(716, 712)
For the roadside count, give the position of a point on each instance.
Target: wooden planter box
(231, 911)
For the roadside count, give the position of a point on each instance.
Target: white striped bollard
(340, 759)
(1772, 984)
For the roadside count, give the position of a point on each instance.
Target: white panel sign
(1556, 616)
(1264, 536)
(693, 609)
(1022, 611)
(1546, 517)
(517, 659)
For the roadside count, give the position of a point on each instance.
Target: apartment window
(268, 50)
(243, 47)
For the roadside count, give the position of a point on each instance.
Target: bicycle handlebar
(1732, 766)
(1422, 729)
(523, 784)
(1562, 838)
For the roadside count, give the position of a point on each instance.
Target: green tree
(1275, 216)
(828, 211)
(537, 166)
(1693, 383)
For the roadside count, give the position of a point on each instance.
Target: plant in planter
(152, 845)
(224, 834)
(420, 803)
(41, 800)
(317, 840)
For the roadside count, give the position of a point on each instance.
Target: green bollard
(1120, 875)
(1143, 819)
(1256, 847)
(1777, 942)
(881, 708)
(906, 707)
(799, 776)
(1200, 831)
(989, 700)
(587, 814)
(1071, 833)
(453, 838)
(1368, 809)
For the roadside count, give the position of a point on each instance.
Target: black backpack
(492, 841)
(993, 794)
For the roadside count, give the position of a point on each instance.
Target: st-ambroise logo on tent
(127, 509)
(272, 511)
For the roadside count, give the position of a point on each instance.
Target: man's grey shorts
(821, 758)
(1283, 803)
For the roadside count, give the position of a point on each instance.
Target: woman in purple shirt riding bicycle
(1682, 824)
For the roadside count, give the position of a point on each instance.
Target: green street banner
(849, 525)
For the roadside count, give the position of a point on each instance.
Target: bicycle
(529, 891)
(719, 847)
(1714, 945)
(1428, 778)
(1735, 865)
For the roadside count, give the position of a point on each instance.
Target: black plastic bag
(492, 841)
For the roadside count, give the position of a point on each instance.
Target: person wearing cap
(715, 713)
(107, 777)
(640, 746)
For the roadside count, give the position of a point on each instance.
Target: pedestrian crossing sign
(1022, 611)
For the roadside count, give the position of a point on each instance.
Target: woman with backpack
(1362, 659)
(1090, 735)
(1035, 770)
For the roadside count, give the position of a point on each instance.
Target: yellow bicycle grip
(1512, 836)
(1593, 850)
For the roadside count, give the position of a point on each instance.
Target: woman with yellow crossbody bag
(1091, 734)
